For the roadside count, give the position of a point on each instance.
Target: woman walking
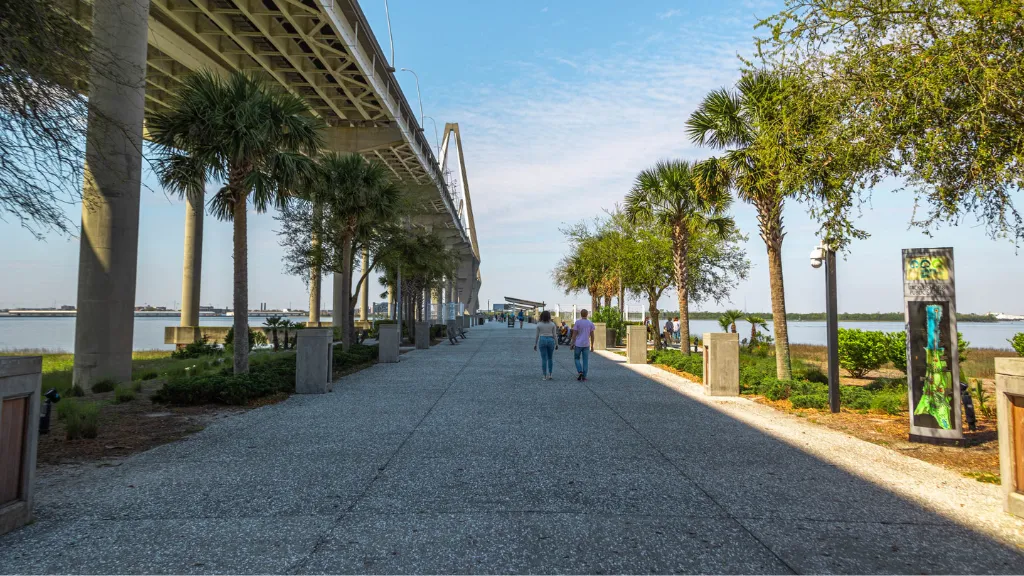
(547, 332)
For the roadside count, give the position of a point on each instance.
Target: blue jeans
(547, 351)
(583, 353)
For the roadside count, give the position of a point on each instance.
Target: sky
(560, 105)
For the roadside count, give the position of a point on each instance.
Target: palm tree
(285, 324)
(724, 321)
(743, 123)
(668, 193)
(754, 320)
(360, 191)
(732, 316)
(272, 323)
(254, 140)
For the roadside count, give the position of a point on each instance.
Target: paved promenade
(461, 459)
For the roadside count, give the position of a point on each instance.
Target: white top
(546, 329)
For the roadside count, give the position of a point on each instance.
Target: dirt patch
(680, 373)
(980, 459)
(127, 428)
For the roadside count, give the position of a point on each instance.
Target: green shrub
(814, 374)
(861, 351)
(270, 375)
(123, 394)
(889, 402)
(963, 347)
(755, 369)
(689, 363)
(612, 318)
(855, 397)
(81, 419)
(896, 350)
(898, 385)
(103, 386)
(357, 354)
(76, 391)
(1018, 343)
(137, 386)
(773, 389)
(201, 347)
(150, 375)
(818, 401)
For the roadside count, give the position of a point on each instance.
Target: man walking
(582, 338)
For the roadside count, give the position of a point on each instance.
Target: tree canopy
(931, 91)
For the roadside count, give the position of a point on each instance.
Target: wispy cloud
(669, 14)
(566, 62)
(547, 139)
(544, 9)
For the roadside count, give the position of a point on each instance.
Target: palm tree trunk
(241, 295)
(346, 292)
(622, 298)
(680, 248)
(314, 296)
(594, 301)
(652, 311)
(782, 363)
(315, 276)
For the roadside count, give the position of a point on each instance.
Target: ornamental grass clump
(81, 419)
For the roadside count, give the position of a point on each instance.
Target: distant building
(67, 307)
(501, 307)
(380, 307)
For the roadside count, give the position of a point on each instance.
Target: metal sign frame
(929, 308)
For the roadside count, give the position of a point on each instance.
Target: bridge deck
(460, 459)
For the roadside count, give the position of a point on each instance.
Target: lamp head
(817, 256)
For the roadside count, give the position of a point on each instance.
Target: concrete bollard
(313, 361)
(1010, 423)
(721, 364)
(600, 336)
(20, 382)
(636, 344)
(387, 343)
(422, 335)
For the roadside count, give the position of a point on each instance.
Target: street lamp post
(437, 144)
(824, 254)
(418, 96)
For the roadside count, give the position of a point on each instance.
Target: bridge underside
(320, 50)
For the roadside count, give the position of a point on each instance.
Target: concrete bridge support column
(108, 253)
(192, 268)
(451, 294)
(364, 289)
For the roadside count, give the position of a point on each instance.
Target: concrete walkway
(460, 459)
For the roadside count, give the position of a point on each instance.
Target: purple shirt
(583, 328)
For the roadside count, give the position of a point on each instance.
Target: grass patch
(123, 394)
(81, 419)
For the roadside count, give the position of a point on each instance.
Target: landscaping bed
(872, 409)
(167, 399)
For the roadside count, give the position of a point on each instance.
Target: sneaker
(580, 376)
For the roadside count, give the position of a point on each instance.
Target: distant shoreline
(850, 317)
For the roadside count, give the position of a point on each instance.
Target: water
(59, 333)
(979, 334)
